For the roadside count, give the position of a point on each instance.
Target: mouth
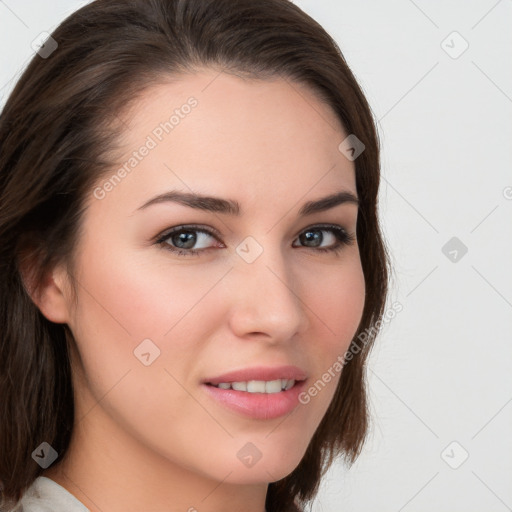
(259, 400)
(258, 386)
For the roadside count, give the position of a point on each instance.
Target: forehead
(214, 132)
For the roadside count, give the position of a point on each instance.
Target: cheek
(143, 298)
(336, 301)
(336, 306)
(124, 300)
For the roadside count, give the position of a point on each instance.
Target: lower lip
(263, 406)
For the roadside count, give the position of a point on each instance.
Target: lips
(265, 373)
(258, 406)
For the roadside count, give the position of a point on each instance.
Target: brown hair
(56, 132)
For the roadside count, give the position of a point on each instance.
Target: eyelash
(343, 239)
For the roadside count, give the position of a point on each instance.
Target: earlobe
(50, 295)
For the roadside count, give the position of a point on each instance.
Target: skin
(149, 437)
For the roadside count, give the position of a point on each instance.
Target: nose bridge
(267, 298)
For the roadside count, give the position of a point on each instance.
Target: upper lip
(266, 373)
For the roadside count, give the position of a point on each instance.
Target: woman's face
(262, 291)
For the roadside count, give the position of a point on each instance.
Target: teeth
(273, 386)
(239, 386)
(289, 384)
(259, 386)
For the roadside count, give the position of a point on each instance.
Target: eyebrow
(232, 207)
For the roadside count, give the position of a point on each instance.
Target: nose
(267, 298)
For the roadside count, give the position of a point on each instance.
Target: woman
(193, 269)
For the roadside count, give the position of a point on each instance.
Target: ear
(51, 296)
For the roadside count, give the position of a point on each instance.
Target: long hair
(57, 130)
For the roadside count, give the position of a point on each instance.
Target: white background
(441, 371)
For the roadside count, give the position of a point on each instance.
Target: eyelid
(324, 225)
(209, 230)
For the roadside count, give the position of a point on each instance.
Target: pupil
(188, 238)
(312, 236)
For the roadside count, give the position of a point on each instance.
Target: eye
(192, 240)
(183, 239)
(336, 238)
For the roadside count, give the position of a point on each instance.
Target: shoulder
(46, 495)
